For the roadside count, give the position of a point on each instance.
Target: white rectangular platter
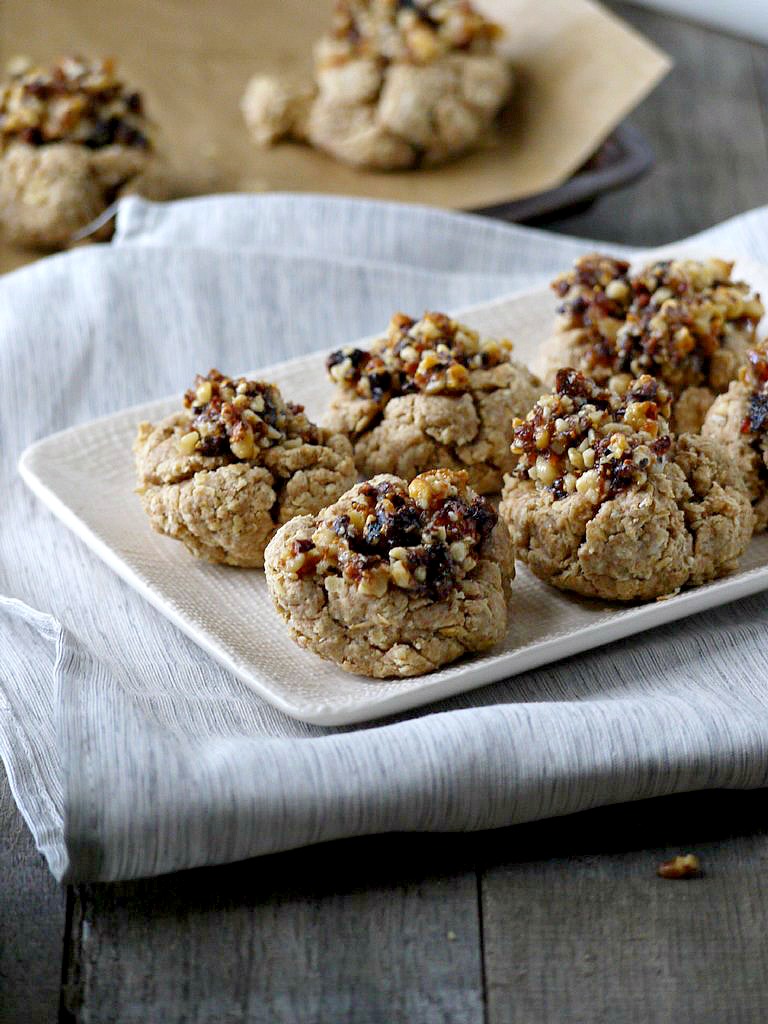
(85, 475)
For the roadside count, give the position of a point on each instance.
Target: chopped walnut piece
(75, 101)
(433, 355)
(683, 866)
(592, 440)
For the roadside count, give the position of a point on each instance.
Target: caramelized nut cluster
(418, 31)
(669, 320)
(74, 101)
(424, 537)
(239, 417)
(596, 295)
(755, 376)
(433, 355)
(592, 440)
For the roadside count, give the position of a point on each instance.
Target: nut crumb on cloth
(397, 85)
(72, 139)
(395, 579)
(430, 393)
(605, 502)
(223, 473)
(686, 322)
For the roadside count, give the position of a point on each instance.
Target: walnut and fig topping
(417, 31)
(592, 440)
(434, 355)
(595, 295)
(74, 101)
(238, 417)
(755, 376)
(424, 537)
(670, 320)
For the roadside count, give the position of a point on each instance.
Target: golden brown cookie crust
(378, 628)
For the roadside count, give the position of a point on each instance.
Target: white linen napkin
(129, 751)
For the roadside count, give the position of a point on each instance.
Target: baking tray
(623, 158)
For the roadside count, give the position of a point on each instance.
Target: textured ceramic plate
(85, 476)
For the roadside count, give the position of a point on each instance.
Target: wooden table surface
(559, 921)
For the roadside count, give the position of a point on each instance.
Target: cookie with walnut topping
(605, 502)
(72, 139)
(237, 461)
(686, 322)
(430, 393)
(395, 579)
(397, 85)
(739, 420)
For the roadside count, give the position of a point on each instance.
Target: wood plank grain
(760, 65)
(372, 931)
(32, 916)
(579, 928)
(704, 122)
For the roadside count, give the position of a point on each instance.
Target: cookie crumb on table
(683, 866)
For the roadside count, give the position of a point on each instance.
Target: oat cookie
(236, 462)
(397, 84)
(605, 502)
(395, 579)
(72, 139)
(430, 393)
(739, 420)
(686, 322)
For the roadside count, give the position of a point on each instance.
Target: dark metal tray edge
(624, 156)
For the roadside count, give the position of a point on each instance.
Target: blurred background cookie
(73, 138)
(396, 86)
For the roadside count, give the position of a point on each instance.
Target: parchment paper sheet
(581, 70)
